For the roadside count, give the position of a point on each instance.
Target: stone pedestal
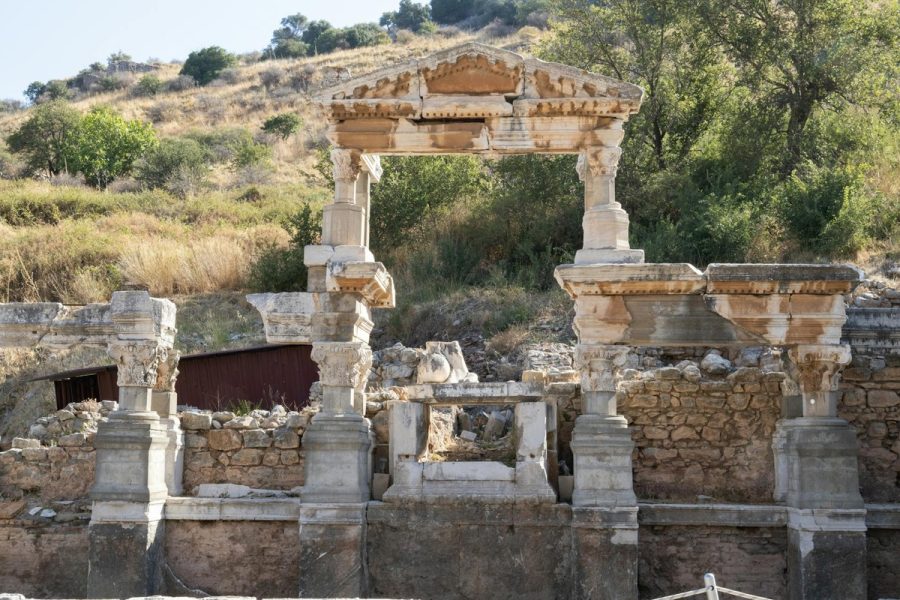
(332, 546)
(165, 405)
(126, 530)
(338, 455)
(602, 449)
(605, 551)
(826, 554)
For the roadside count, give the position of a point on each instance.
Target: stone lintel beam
(306, 317)
(818, 372)
(630, 279)
(53, 325)
(781, 279)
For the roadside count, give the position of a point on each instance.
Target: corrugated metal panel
(262, 376)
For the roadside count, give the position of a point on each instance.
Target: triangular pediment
(475, 80)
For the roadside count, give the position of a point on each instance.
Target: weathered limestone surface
(882, 574)
(41, 561)
(749, 559)
(234, 558)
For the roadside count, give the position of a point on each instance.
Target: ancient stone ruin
(703, 425)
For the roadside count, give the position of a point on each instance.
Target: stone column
(605, 223)
(165, 404)
(338, 447)
(345, 222)
(126, 530)
(826, 514)
(604, 506)
(601, 442)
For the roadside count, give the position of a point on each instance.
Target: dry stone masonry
(701, 422)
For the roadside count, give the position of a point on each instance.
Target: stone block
(196, 420)
(256, 438)
(883, 398)
(225, 439)
(22, 443)
(74, 439)
(34, 454)
(192, 440)
(286, 439)
(247, 457)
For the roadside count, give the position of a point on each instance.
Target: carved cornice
(343, 364)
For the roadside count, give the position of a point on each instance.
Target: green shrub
(180, 166)
(279, 269)
(148, 86)
(283, 125)
(247, 153)
(106, 145)
(206, 64)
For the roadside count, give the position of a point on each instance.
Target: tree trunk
(800, 111)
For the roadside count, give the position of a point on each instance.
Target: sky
(54, 39)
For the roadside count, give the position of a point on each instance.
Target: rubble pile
(77, 417)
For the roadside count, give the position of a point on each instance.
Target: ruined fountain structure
(481, 100)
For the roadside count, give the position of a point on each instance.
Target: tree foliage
(106, 145)
(283, 125)
(410, 15)
(206, 64)
(47, 139)
(178, 165)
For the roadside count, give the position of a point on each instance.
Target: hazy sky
(53, 39)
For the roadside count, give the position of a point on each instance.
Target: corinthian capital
(138, 362)
(818, 367)
(167, 371)
(346, 164)
(598, 161)
(600, 366)
(343, 364)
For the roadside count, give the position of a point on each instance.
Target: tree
(800, 56)
(365, 34)
(106, 145)
(117, 57)
(34, 91)
(47, 138)
(313, 32)
(287, 40)
(283, 125)
(448, 12)
(410, 15)
(206, 64)
(178, 165)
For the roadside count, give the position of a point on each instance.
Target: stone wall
(43, 560)
(44, 474)
(750, 559)
(260, 450)
(703, 429)
(870, 402)
(235, 558)
(883, 574)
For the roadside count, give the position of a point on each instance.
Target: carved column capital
(346, 164)
(818, 370)
(137, 361)
(600, 365)
(343, 364)
(599, 161)
(167, 371)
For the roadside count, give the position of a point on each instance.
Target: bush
(46, 139)
(404, 36)
(106, 145)
(283, 125)
(247, 153)
(271, 77)
(180, 166)
(148, 86)
(230, 76)
(10, 106)
(181, 83)
(221, 143)
(280, 269)
(206, 64)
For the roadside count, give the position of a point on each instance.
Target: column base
(602, 448)
(827, 554)
(332, 551)
(606, 553)
(131, 458)
(338, 451)
(126, 550)
(592, 256)
(820, 461)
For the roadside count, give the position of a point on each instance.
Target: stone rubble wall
(870, 402)
(259, 450)
(674, 559)
(703, 430)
